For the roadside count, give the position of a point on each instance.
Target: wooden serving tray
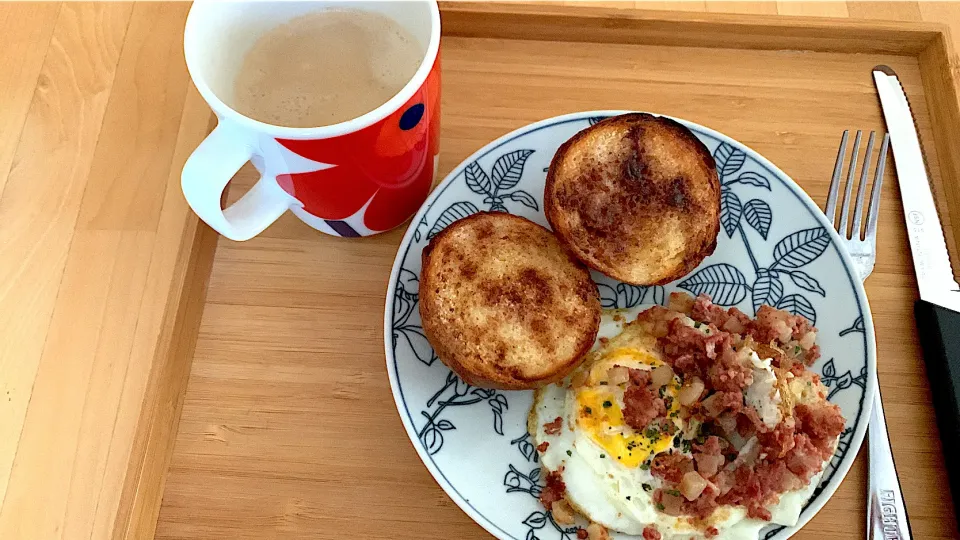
(272, 380)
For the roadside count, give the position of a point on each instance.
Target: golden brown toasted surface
(504, 305)
(636, 197)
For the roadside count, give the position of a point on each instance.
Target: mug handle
(208, 171)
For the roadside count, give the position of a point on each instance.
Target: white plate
(775, 247)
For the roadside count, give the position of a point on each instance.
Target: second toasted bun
(636, 197)
(504, 305)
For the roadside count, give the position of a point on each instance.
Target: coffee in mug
(325, 67)
(335, 102)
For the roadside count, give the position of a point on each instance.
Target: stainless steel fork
(886, 512)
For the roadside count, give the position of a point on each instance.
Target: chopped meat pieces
(552, 428)
(671, 467)
(723, 401)
(542, 447)
(804, 459)
(777, 442)
(771, 325)
(641, 406)
(731, 320)
(758, 512)
(553, 490)
(822, 424)
(708, 356)
(708, 457)
(639, 377)
(723, 453)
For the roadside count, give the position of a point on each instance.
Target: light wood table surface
(97, 115)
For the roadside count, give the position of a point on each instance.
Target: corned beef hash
(692, 422)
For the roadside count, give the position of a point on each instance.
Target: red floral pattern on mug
(388, 166)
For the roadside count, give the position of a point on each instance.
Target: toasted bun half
(504, 304)
(636, 197)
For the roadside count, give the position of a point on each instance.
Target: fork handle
(939, 331)
(886, 511)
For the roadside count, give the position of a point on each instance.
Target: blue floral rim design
(755, 216)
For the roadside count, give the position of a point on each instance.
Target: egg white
(598, 487)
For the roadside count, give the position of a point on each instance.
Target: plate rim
(861, 423)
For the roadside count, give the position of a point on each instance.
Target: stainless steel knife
(938, 310)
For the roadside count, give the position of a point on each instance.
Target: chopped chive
(673, 492)
(647, 487)
(569, 453)
(645, 466)
(602, 456)
(697, 324)
(607, 404)
(588, 410)
(660, 507)
(628, 497)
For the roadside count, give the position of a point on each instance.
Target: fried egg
(605, 464)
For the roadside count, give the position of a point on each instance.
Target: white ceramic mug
(354, 178)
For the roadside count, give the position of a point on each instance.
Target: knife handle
(939, 330)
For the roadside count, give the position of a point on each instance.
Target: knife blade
(931, 260)
(938, 310)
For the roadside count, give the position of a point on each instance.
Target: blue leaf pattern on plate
(753, 179)
(800, 248)
(759, 216)
(767, 289)
(729, 159)
(730, 211)
(507, 169)
(857, 326)
(457, 423)
(798, 305)
(456, 211)
(724, 283)
(807, 282)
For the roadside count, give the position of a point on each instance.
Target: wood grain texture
(23, 45)
(286, 419)
(686, 29)
(93, 257)
(102, 265)
(48, 174)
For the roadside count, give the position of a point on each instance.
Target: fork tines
(855, 232)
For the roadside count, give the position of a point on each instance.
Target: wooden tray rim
(156, 431)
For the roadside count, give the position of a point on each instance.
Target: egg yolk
(601, 417)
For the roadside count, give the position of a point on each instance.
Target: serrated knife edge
(928, 246)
